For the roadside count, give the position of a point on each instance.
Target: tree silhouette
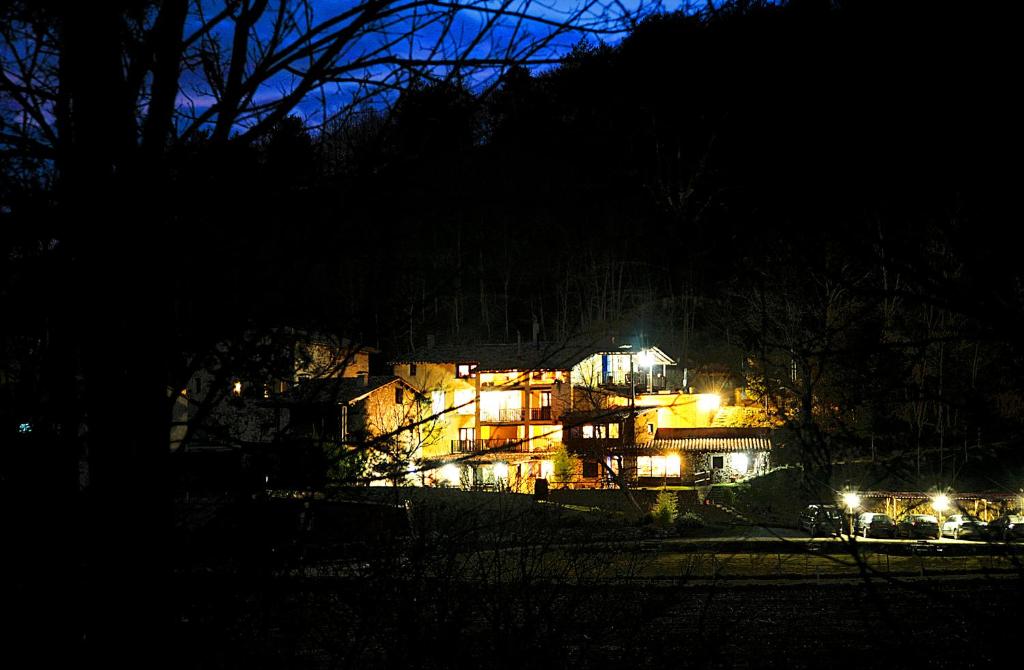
(146, 115)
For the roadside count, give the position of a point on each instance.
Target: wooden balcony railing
(517, 415)
(540, 414)
(476, 446)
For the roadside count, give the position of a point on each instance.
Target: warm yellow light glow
(740, 463)
(645, 358)
(500, 471)
(493, 402)
(450, 473)
(547, 469)
(940, 503)
(851, 500)
(236, 388)
(708, 402)
(464, 401)
(672, 465)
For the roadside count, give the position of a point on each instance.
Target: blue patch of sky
(395, 37)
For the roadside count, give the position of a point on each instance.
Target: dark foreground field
(357, 623)
(499, 581)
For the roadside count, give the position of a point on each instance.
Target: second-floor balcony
(516, 414)
(477, 446)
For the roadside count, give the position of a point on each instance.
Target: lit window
(650, 429)
(588, 432)
(236, 388)
(437, 403)
(464, 401)
(658, 466)
(613, 430)
(463, 370)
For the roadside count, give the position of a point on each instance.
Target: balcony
(540, 414)
(516, 415)
(478, 446)
(504, 415)
(600, 446)
(658, 382)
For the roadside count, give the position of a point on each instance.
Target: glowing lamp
(450, 473)
(851, 500)
(740, 463)
(708, 402)
(645, 358)
(500, 471)
(940, 503)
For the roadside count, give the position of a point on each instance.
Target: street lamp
(852, 501)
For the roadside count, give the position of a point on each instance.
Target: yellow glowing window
(437, 402)
(658, 466)
(613, 430)
(588, 432)
(465, 401)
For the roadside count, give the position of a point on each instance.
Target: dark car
(1007, 527)
(821, 520)
(918, 525)
(964, 526)
(875, 524)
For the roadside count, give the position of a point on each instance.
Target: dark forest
(813, 199)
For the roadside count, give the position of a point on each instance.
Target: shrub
(689, 521)
(666, 509)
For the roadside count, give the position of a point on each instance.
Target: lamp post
(852, 501)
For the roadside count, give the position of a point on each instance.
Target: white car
(963, 526)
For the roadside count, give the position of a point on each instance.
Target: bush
(689, 521)
(666, 509)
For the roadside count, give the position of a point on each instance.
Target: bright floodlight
(645, 358)
(740, 463)
(940, 503)
(708, 402)
(450, 473)
(500, 471)
(851, 500)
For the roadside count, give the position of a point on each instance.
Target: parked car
(1008, 527)
(822, 520)
(964, 526)
(918, 525)
(875, 524)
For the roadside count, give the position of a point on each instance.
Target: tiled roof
(524, 356)
(712, 439)
(335, 390)
(499, 357)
